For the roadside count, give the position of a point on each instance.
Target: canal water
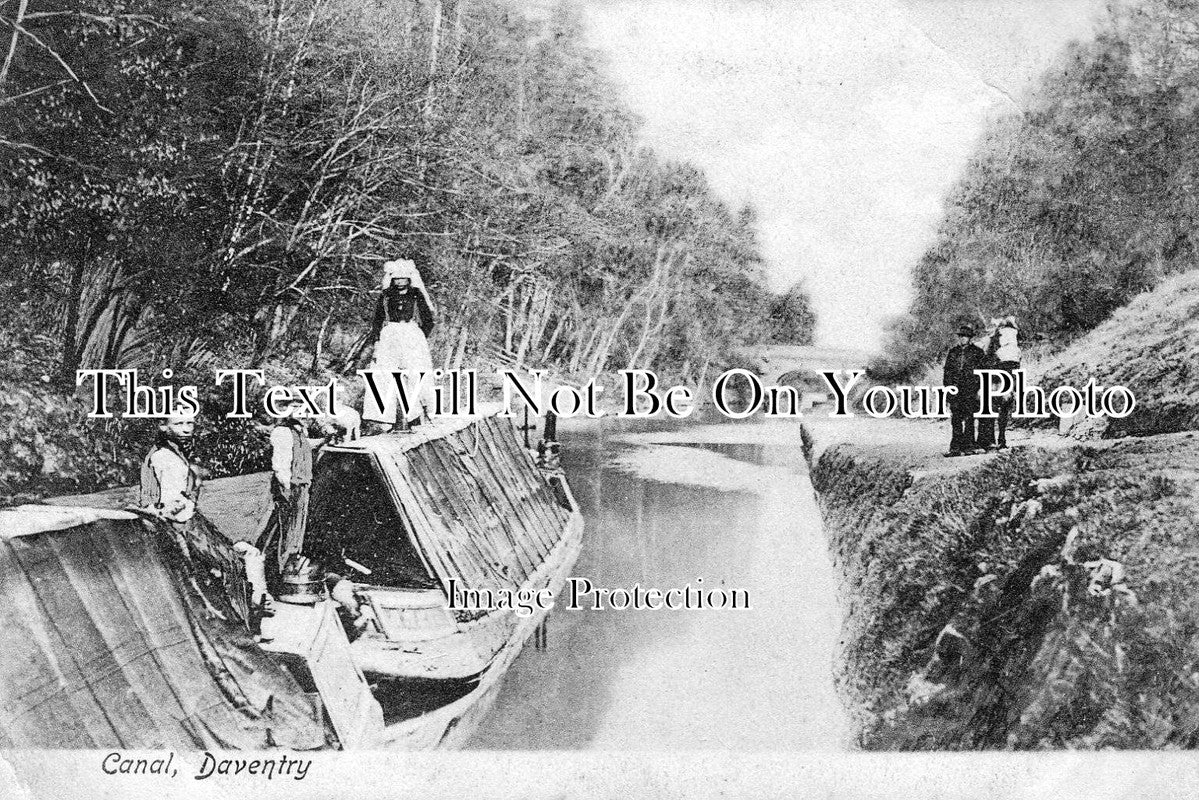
(667, 505)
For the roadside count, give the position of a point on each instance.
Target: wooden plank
(443, 506)
(236, 505)
(453, 552)
(511, 535)
(500, 502)
(501, 530)
(422, 527)
(435, 478)
(500, 539)
(463, 502)
(489, 495)
(520, 467)
(483, 506)
(505, 491)
(543, 492)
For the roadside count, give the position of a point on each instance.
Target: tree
(202, 182)
(1067, 212)
(792, 320)
(104, 157)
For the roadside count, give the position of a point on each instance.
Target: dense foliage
(1068, 211)
(1150, 346)
(792, 319)
(193, 183)
(186, 180)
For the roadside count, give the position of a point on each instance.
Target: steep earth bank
(1044, 597)
(1152, 347)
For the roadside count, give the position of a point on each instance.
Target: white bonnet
(400, 268)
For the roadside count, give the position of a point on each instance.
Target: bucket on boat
(302, 581)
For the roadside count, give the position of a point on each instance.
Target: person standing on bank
(1003, 351)
(291, 477)
(960, 365)
(400, 330)
(985, 439)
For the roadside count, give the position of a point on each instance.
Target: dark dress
(1005, 404)
(397, 305)
(986, 425)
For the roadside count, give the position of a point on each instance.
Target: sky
(844, 122)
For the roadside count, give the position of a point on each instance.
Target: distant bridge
(799, 364)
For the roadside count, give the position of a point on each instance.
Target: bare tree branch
(12, 43)
(46, 153)
(32, 92)
(17, 28)
(107, 20)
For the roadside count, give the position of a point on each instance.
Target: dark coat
(960, 363)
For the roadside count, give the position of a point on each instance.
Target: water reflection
(644, 679)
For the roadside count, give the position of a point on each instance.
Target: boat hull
(443, 647)
(451, 726)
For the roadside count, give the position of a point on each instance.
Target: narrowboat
(103, 605)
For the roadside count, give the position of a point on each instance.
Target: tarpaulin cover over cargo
(107, 641)
(478, 509)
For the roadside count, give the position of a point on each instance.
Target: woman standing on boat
(400, 329)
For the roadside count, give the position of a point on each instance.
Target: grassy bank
(1152, 347)
(977, 614)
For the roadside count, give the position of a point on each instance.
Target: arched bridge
(802, 364)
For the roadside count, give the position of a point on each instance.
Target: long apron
(402, 345)
(282, 531)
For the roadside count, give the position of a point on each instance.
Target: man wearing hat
(960, 363)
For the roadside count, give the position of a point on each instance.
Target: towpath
(919, 444)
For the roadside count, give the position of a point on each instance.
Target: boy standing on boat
(170, 485)
(170, 490)
(291, 477)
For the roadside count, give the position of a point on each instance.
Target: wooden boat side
(452, 725)
(315, 635)
(117, 638)
(481, 648)
(452, 648)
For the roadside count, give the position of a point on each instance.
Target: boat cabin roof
(430, 429)
(466, 493)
